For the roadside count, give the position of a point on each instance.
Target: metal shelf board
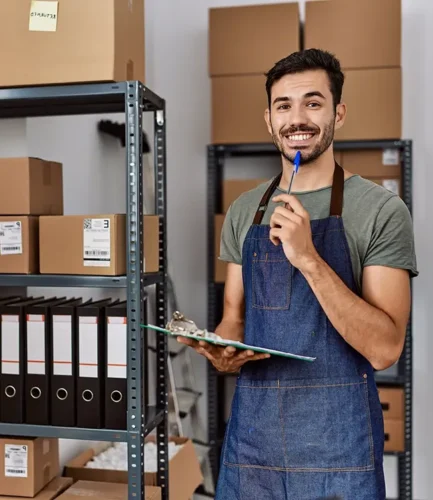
(391, 380)
(61, 280)
(262, 149)
(153, 418)
(90, 98)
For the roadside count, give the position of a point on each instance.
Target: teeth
(300, 137)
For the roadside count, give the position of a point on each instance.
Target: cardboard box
(30, 186)
(392, 401)
(220, 267)
(51, 491)
(233, 188)
(238, 109)
(73, 47)
(93, 244)
(394, 435)
(19, 244)
(391, 184)
(105, 491)
(184, 471)
(27, 465)
(363, 34)
(251, 39)
(371, 163)
(374, 105)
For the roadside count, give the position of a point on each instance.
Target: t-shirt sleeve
(392, 241)
(229, 246)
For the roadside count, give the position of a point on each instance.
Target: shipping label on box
(16, 460)
(11, 239)
(97, 242)
(43, 15)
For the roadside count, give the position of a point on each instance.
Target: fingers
(288, 214)
(294, 203)
(275, 235)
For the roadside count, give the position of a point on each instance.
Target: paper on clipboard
(189, 330)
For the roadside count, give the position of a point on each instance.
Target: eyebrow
(314, 93)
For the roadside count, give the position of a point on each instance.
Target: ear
(268, 120)
(340, 115)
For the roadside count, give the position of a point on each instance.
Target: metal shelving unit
(131, 98)
(217, 155)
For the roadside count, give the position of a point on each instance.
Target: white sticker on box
(11, 238)
(97, 242)
(16, 460)
(391, 157)
(43, 15)
(392, 185)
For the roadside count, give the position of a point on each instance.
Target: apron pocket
(327, 425)
(254, 434)
(272, 280)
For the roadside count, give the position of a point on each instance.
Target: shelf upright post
(134, 289)
(405, 363)
(160, 155)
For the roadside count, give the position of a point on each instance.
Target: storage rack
(131, 98)
(217, 155)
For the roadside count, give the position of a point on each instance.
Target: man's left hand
(291, 227)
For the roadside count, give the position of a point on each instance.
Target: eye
(284, 106)
(313, 105)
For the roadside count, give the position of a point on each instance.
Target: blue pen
(296, 164)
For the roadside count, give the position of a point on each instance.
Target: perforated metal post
(134, 290)
(405, 364)
(161, 299)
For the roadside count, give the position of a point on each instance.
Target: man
(324, 272)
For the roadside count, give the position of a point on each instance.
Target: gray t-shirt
(377, 223)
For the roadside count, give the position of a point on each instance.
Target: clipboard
(232, 343)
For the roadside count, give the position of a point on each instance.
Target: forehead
(298, 84)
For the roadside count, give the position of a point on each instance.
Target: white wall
(176, 61)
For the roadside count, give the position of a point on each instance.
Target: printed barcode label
(96, 253)
(16, 460)
(11, 238)
(97, 242)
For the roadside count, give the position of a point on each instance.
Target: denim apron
(301, 430)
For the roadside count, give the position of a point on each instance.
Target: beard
(318, 149)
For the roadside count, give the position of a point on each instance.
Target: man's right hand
(224, 359)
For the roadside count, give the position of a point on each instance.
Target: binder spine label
(16, 460)
(62, 345)
(88, 346)
(10, 340)
(97, 242)
(36, 344)
(116, 347)
(11, 241)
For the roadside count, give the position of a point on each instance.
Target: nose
(297, 116)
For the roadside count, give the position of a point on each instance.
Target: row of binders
(63, 362)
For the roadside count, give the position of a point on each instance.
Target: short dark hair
(307, 60)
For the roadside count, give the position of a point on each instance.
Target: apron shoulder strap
(265, 200)
(336, 208)
(337, 193)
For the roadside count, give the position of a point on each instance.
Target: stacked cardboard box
(73, 47)
(29, 468)
(184, 471)
(392, 400)
(366, 38)
(244, 43)
(29, 188)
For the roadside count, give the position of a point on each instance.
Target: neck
(315, 175)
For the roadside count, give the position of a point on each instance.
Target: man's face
(302, 115)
